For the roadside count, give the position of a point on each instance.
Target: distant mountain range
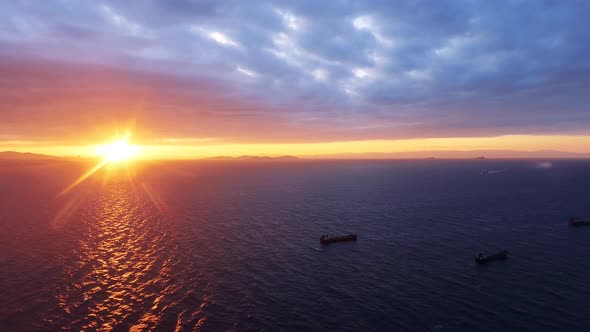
(12, 155)
(24, 156)
(473, 154)
(253, 158)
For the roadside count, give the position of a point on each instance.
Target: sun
(117, 151)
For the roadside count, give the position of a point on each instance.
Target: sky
(203, 78)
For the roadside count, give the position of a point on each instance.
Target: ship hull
(490, 258)
(579, 222)
(345, 238)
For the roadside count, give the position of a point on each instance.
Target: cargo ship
(327, 239)
(482, 258)
(579, 221)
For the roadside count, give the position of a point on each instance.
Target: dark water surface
(215, 246)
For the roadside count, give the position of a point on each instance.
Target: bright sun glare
(117, 151)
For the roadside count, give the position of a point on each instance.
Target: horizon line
(406, 155)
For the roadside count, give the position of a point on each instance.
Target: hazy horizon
(467, 154)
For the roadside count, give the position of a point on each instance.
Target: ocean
(231, 245)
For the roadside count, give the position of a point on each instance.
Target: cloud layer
(275, 71)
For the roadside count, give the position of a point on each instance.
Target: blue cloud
(396, 69)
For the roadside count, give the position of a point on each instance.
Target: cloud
(216, 36)
(303, 71)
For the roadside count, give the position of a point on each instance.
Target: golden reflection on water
(129, 273)
(125, 276)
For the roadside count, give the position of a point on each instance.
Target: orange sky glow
(81, 107)
(203, 148)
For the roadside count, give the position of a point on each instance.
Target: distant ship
(487, 171)
(482, 258)
(326, 239)
(579, 221)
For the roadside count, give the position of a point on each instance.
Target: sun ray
(84, 176)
